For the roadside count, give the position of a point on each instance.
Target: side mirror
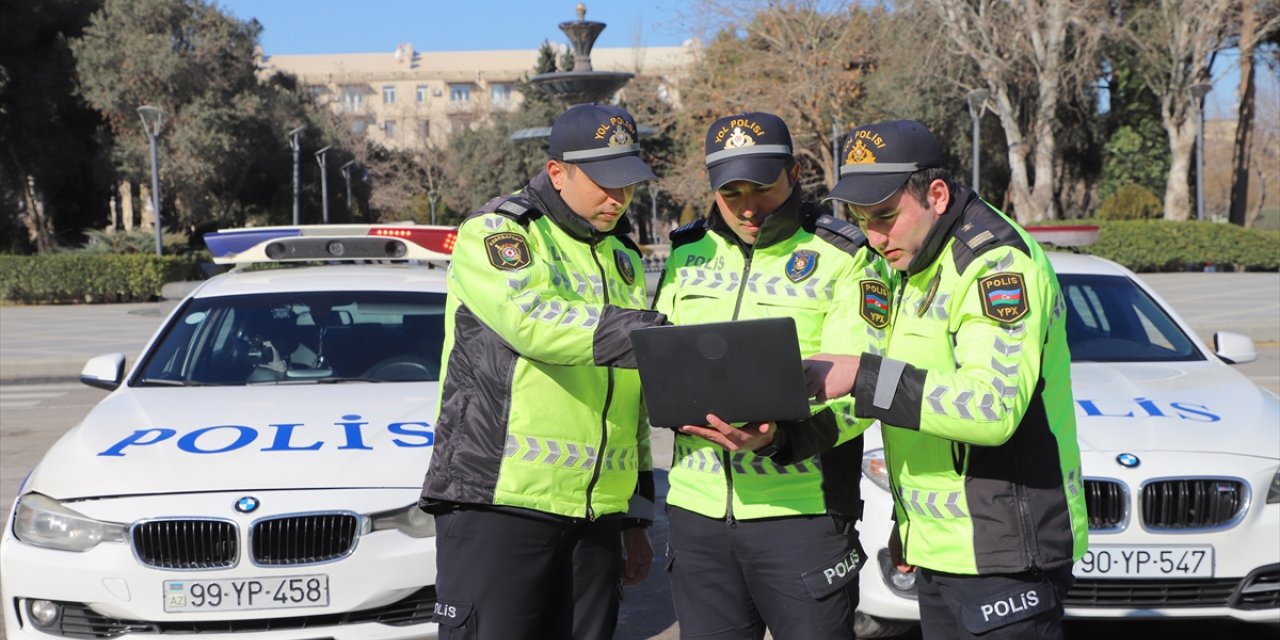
(104, 372)
(1234, 348)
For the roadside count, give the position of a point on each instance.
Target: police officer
(762, 517)
(973, 392)
(541, 443)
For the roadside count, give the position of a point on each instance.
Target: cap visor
(867, 189)
(618, 172)
(760, 170)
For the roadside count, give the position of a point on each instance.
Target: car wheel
(866, 626)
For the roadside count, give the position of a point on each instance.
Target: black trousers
(992, 607)
(797, 575)
(504, 574)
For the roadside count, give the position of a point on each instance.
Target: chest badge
(802, 265)
(625, 268)
(508, 251)
(875, 303)
(1004, 297)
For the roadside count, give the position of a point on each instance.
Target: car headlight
(43, 522)
(1273, 494)
(411, 521)
(873, 467)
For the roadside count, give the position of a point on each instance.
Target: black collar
(541, 191)
(779, 226)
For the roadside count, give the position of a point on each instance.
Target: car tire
(866, 626)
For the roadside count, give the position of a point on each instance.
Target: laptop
(742, 371)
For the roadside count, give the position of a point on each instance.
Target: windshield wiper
(348, 379)
(165, 382)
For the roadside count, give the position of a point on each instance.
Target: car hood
(1182, 406)
(159, 440)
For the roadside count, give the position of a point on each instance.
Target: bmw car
(1180, 457)
(256, 473)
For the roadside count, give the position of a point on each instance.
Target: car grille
(1105, 503)
(79, 621)
(1152, 593)
(1191, 504)
(186, 544)
(306, 539)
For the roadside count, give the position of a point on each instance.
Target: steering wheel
(404, 368)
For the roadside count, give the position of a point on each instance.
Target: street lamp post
(653, 214)
(1198, 92)
(977, 105)
(324, 184)
(432, 196)
(152, 121)
(835, 159)
(295, 145)
(346, 175)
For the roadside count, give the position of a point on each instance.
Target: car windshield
(1111, 319)
(298, 338)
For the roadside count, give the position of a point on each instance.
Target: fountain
(583, 84)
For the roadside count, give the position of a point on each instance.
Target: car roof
(426, 278)
(1082, 264)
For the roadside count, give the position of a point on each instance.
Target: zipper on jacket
(608, 393)
(726, 456)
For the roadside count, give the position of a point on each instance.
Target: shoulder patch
(841, 233)
(875, 303)
(1004, 297)
(507, 251)
(692, 232)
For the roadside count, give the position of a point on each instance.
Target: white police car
(256, 473)
(1180, 457)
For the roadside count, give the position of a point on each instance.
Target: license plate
(239, 594)
(1140, 561)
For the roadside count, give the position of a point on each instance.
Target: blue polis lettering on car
(1148, 409)
(414, 434)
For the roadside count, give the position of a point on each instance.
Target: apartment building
(413, 100)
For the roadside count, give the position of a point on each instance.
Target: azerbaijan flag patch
(1004, 297)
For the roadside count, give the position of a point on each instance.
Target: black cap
(602, 140)
(751, 146)
(878, 159)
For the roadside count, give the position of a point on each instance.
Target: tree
(1258, 20)
(49, 153)
(197, 65)
(1039, 50)
(1175, 41)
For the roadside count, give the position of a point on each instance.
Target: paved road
(42, 348)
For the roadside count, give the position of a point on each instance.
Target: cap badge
(801, 265)
(738, 139)
(620, 137)
(859, 154)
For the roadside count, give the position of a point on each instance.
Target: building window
(389, 128)
(424, 130)
(500, 93)
(459, 93)
(352, 99)
(388, 94)
(421, 93)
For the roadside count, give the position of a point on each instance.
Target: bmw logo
(1128, 460)
(249, 504)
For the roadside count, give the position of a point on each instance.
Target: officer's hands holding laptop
(749, 437)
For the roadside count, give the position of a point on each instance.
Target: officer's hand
(830, 376)
(895, 551)
(749, 437)
(639, 556)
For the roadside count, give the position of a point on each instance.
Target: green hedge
(1164, 245)
(83, 277)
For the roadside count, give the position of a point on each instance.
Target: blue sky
(355, 26)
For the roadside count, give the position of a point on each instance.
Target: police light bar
(331, 242)
(1065, 235)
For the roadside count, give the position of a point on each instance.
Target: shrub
(1165, 245)
(83, 277)
(1130, 202)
